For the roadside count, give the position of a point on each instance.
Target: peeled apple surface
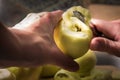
(73, 34)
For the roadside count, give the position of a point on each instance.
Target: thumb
(104, 45)
(104, 27)
(56, 16)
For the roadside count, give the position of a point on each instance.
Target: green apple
(49, 70)
(87, 63)
(73, 34)
(5, 74)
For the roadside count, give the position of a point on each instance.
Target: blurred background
(13, 11)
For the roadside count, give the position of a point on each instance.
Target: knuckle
(48, 17)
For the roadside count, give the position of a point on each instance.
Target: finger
(105, 45)
(96, 33)
(56, 16)
(106, 27)
(64, 61)
(51, 19)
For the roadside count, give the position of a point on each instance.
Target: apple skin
(23, 73)
(15, 71)
(30, 73)
(87, 63)
(102, 74)
(49, 70)
(66, 75)
(71, 35)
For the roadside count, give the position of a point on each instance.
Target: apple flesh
(73, 34)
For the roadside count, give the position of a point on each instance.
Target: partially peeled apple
(73, 34)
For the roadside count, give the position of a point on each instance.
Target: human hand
(109, 38)
(35, 33)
